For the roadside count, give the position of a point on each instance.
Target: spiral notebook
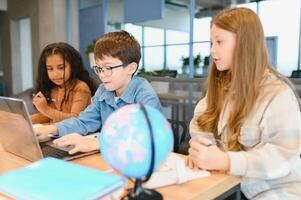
(51, 178)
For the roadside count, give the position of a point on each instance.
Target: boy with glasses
(117, 55)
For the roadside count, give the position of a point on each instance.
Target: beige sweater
(271, 165)
(77, 99)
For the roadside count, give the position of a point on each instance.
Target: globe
(125, 140)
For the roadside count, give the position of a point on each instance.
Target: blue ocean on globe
(125, 140)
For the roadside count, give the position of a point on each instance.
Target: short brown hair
(121, 45)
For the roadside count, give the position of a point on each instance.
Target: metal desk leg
(232, 194)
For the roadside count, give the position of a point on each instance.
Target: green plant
(161, 73)
(90, 48)
(196, 60)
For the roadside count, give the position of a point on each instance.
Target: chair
(2, 88)
(180, 133)
(296, 74)
(27, 96)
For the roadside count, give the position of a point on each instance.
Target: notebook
(51, 178)
(173, 171)
(17, 135)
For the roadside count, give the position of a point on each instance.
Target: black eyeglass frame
(108, 70)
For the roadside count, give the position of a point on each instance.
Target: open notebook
(173, 171)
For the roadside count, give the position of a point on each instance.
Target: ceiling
(207, 7)
(215, 3)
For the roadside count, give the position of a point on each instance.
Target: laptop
(17, 135)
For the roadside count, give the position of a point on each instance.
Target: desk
(212, 187)
(182, 103)
(180, 95)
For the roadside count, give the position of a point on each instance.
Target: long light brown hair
(240, 84)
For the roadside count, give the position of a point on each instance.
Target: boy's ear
(132, 68)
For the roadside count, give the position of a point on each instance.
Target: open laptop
(17, 135)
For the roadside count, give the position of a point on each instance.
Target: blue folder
(56, 179)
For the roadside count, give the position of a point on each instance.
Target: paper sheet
(173, 171)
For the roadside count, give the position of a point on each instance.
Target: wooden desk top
(205, 188)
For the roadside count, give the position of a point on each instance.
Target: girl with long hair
(250, 109)
(63, 87)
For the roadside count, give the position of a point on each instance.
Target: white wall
(15, 56)
(175, 18)
(59, 20)
(26, 54)
(3, 5)
(74, 24)
(52, 21)
(21, 51)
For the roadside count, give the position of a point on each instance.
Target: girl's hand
(40, 102)
(206, 155)
(189, 163)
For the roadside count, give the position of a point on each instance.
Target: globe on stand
(134, 140)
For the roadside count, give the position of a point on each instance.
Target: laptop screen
(17, 135)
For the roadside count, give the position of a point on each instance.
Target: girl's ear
(132, 68)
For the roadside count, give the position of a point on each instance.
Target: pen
(48, 99)
(210, 144)
(215, 142)
(53, 136)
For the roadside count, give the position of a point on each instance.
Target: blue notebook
(56, 179)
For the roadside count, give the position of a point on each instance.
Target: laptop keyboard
(49, 151)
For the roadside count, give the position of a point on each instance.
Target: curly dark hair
(73, 57)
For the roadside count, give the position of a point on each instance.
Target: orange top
(78, 97)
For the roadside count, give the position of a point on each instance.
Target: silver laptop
(17, 135)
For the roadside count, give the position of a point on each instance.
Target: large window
(135, 30)
(153, 36)
(165, 48)
(174, 56)
(153, 58)
(285, 26)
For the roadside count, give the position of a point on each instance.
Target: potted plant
(206, 65)
(185, 63)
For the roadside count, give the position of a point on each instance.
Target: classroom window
(286, 27)
(153, 58)
(153, 36)
(176, 37)
(174, 54)
(135, 30)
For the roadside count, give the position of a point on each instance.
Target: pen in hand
(213, 141)
(48, 99)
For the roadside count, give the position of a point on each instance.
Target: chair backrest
(2, 88)
(180, 132)
(296, 74)
(27, 96)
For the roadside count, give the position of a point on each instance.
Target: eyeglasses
(107, 71)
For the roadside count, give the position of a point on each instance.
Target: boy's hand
(207, 156)
(43, 132)
(80, 143)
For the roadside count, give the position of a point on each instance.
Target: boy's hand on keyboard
(80, 143)
(42, 132)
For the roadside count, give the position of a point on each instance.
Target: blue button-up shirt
(103, 104)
